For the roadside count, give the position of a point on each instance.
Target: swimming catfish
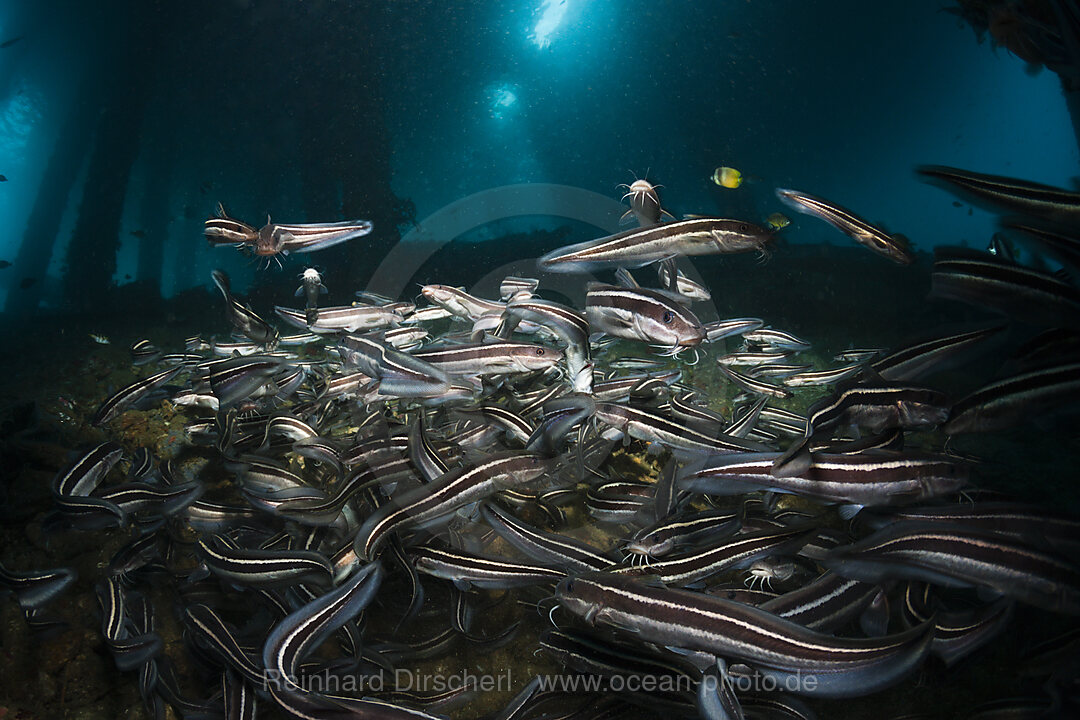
(311, 286)
(272, 240)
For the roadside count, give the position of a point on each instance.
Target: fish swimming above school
(579, 360)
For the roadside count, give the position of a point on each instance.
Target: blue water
(840, 99)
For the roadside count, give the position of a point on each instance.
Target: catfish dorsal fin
(672, 274)
(624, 278)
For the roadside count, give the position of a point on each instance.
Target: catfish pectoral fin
(795, 461)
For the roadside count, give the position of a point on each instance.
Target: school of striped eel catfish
(397, 487)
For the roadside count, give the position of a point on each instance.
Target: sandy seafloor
(54, 377)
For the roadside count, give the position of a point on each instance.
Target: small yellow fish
(777, 221)
(727, 177)
(100, 339)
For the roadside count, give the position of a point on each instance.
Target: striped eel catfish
(1053, 344)
(961, 557)
(272, 239)
(468, 569)
(36, 588)
(345, 318)
(550, 549)
(825, 604)
(774, 340)
(224, 230)
(566, 323)
(957, 633)
(746, 419)
(914, 361)
(262, 568)
(736, 552)
(327, 511)
(399, 373)
(870, 479)
(644, 203)
(893, 247)
(132, 643)
(636, 364)
(858, 354)
(685, 287)
(1005, 193)
(810, 378)
(642, 246)
(875, 407)
(799, 659)
(983, 280)
(86, 473)
(623, 388)
(497, 416)
(427, 314)
(299, 634)
(423, 454)
(513, 285)
(405, 338)
(212, 632)
(144, 352)
(1005, 403)
(131, 395)
(1026, 522)
(456, 488)
(72, 489)
(311, 286)
(664, 536)
(720, 329)
(619, 501)
(1064, 246)
(683, 408)
(752, 385)
(150, 498)
(753, 359)
(490, 358)
(236, 378)
(645, 315)
(228, 349)
(242, 317)
(238, 696)
(683, 440)
(460, 303)
(881, 407)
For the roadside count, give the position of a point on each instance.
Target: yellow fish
(777, 221)
(727, 177)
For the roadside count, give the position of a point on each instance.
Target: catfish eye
(669, 317)
(568, 585)
(539, 352)
(744, 228)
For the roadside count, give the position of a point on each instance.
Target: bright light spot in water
(18, 115)
(502, 100)
(553, 13)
